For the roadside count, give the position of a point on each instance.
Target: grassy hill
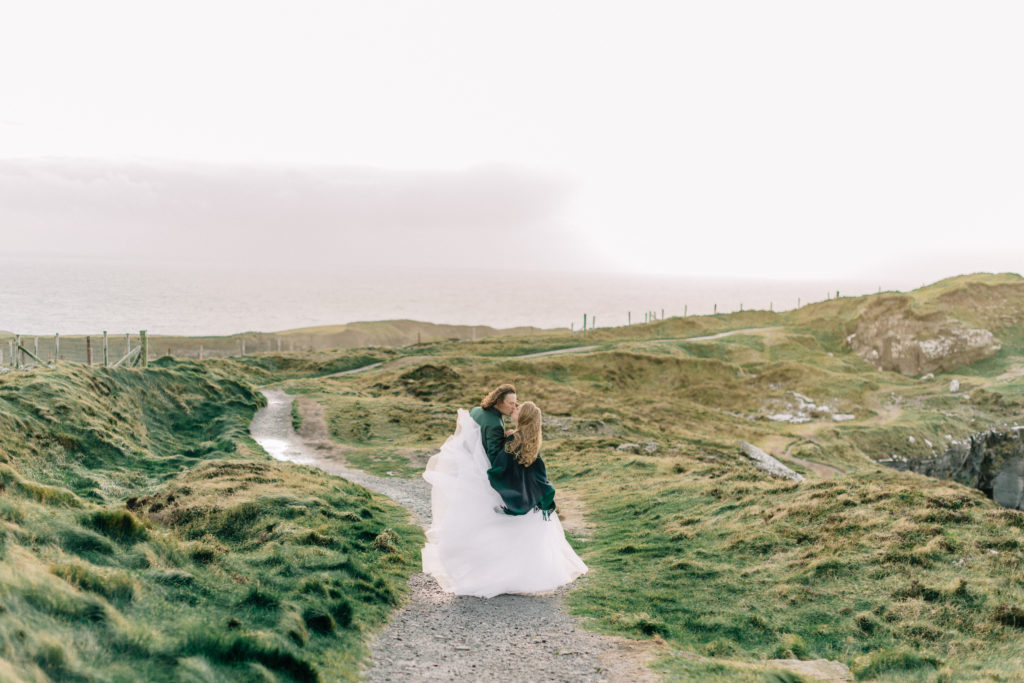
(899, 576)
(146, 537)
(141, 526)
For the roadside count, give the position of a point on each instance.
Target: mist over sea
(74, 297)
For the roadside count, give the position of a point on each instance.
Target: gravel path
(437, 636)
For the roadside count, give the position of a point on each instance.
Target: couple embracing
(494, 528)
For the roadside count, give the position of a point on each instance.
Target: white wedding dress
(473, 550)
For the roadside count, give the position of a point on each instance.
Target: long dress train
(472, 549)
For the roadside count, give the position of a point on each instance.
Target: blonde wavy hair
(527, 437)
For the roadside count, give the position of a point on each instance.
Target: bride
(494, 528)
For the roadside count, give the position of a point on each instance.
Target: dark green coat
(521, 488)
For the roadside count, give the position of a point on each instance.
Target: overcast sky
(772, 139)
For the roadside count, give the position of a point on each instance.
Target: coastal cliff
(991, 461)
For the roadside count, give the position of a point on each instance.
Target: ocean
(43, 297)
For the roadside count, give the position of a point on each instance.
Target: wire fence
(136, 349)
(111, 350)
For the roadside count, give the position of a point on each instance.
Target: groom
(499, 404)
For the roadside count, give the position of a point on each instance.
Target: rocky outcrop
(645, 448)
(891, 337)
(767, 463)
(991, 461)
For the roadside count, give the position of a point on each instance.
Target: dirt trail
(748, 330)
(574, 349)
(437, 636)
(779, 446)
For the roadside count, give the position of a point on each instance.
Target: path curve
(437, 636)
(724, 334)
(571, 349)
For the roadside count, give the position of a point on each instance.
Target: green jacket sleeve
(492, 431)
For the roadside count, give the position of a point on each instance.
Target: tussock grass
(147, 538)
(899, 576)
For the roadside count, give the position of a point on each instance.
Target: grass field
(142, 525)
(899, 576)
(145, 537)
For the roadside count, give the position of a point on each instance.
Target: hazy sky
(782, 139)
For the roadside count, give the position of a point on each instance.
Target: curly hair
(526, 439)
(496, 396)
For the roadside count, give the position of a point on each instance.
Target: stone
(767, 463)
(954, 386)
(628, 448)
(991, 461)
(818, 669)
(891, 336)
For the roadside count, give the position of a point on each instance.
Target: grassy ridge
(899, 576)
(145, 537)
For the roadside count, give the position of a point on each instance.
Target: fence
(117, 350)
(136, 350)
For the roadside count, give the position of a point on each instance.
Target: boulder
(891, 336)
(767, 463)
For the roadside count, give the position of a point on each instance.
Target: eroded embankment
(145, 537)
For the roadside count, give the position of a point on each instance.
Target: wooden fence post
(716, 309)
(106, 350)
(629, 317)
(201, 350)
(35, 349)
(56, 347)
(279, 345)
(11, 344)
(243, 345)
(663, 314)
(584, 322)
(88, 350)
(686, 310)
(144, 345)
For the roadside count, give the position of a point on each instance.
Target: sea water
(44, 297)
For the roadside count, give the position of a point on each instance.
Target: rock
(990, 461)
(891, 336)
(575, 425)
(842, 417)
(789, 417)
(767, 463)
(819, 669)
(930, 375)
(646, 448)
(954, 386)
